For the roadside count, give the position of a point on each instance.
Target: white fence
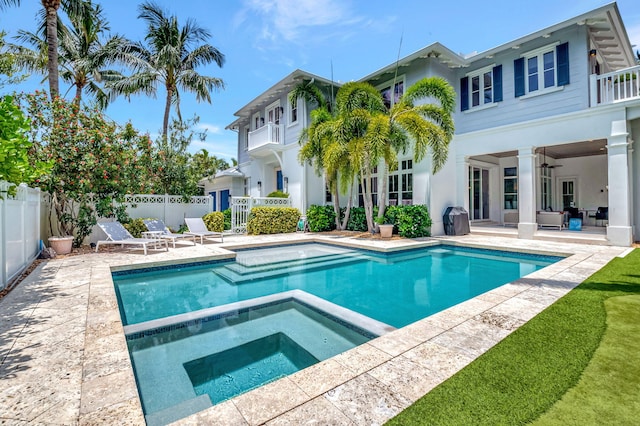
(241, 207)
(19, 230)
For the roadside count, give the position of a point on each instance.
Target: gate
(241, 207)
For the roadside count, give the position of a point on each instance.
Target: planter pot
(61, 245)
(386, 231)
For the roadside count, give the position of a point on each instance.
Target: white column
(527, 192)
(619, 231)
(462, 189)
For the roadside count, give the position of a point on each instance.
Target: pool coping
(368, 384)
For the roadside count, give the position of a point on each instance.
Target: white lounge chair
(158, 226)
(198, 228)
(118, 234)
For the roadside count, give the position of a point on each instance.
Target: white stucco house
(543, 122)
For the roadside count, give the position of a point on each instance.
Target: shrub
(278, 194)
(272, 220)
(136, 227)
(358, 219)
(227, 218)
(214, 221)
(412, 221)
(321, 218)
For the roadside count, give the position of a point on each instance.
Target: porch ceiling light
(592, 52)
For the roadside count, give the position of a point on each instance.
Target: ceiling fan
(546, 165)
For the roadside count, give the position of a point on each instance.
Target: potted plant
(386, 229)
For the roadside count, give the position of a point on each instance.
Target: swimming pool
(395, 288)
(202, 333)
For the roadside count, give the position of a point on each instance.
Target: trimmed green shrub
(358, 219)
(412, 221)
(272, 220)
(136, 227)
(321, 218)
(214, 221)
(278, 194)
(227, 218)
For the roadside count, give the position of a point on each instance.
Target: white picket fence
(20, 219)
(241, 207)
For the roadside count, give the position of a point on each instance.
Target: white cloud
(212, 129)
(287, 19)
(634, 35)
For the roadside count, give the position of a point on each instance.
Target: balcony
(617, 86)
(266, 139)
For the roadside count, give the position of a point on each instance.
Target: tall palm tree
(82, 54)
(170, 57)
(51, 10)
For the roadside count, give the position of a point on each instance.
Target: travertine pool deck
(64, 359)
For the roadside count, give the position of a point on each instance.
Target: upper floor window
(385, 91)
(481, 87)
(542, 69)
(293, 111)
(246, 138)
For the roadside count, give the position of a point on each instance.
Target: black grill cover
(456, 221)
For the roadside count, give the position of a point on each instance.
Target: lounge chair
(118, 234)
(158, 226)
(198, 228)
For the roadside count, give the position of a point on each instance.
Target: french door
(478, 193)
(568, 192)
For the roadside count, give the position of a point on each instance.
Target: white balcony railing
(269, 133)
(617, 86)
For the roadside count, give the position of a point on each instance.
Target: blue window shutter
(518, 76)
(464, 93)
(562, 55)
(497, 83)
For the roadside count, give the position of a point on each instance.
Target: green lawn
(578, 362)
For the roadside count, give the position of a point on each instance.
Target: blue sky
(264, 40)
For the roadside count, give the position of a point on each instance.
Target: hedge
(214, 221)
(272, 220)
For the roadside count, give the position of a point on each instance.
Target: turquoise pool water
(396, 289)
(203, 333)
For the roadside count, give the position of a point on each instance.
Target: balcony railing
(269, 133)
(617, 86)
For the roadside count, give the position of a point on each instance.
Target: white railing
(617, 86)
(19, 230)
(241, 207)
(269, 133)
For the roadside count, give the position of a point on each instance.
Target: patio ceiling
(570, 150)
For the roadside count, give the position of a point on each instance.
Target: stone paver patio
(64, 359)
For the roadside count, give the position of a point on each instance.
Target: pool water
(202, 333)
(396, 289)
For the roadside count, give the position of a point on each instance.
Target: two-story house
(544, 122)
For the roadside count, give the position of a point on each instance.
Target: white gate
(241, 207)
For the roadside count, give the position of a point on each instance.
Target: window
(246, 187)
(293, 111)
(273, 113)
(374, 189)
(385, 91)
(246, 138)
(511, 188)
(542, 69)
(546, 188)
(481, 87)
(401, 184)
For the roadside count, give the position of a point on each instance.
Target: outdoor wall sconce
(592, 52)
(259, 186)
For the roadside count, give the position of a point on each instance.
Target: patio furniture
(161, 231)
(602, 214)
(118, 234)
(197, 228)
(550, 219)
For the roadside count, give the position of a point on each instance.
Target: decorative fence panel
(19, 231)
(241, 207)
(172, 209)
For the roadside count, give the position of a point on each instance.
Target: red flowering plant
(95, 162)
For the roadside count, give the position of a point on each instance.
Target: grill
(456, 221)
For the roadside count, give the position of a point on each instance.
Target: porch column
(462, 193)
(619, 231)
(527, 192)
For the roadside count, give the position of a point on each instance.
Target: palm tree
(171, 57)
(82, 55)
(51, 10)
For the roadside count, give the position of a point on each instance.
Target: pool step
(229, 274)
(246, 269)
